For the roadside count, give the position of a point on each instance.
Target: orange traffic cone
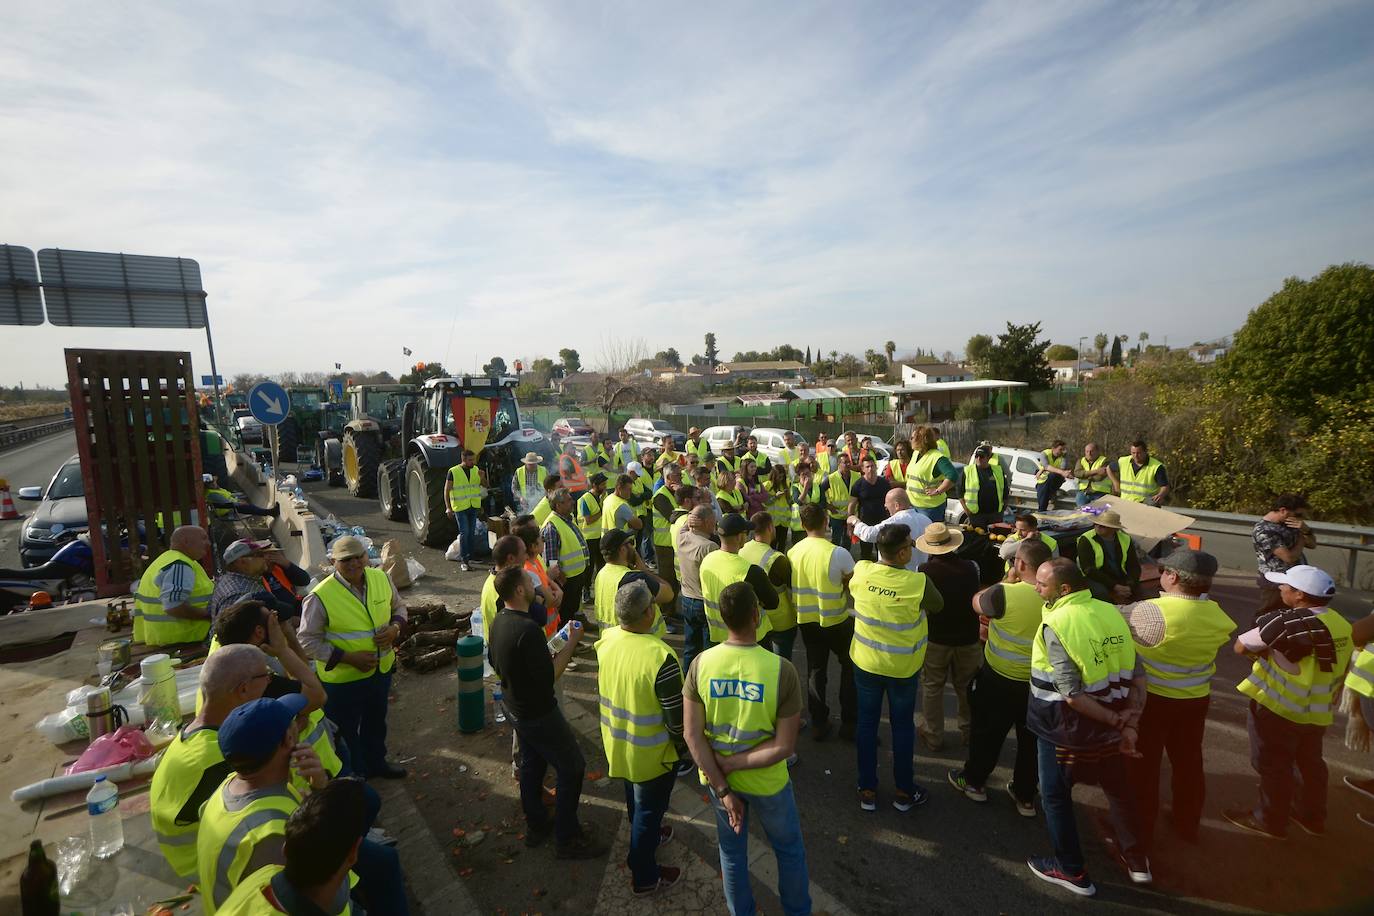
(7, 510)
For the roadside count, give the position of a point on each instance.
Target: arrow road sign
(269, 403)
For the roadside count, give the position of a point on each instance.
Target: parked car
(717, 436)
(570, 428)
(1024, 465)
(61, 506)
(651, 432)
(771, 442)
(250, 430)
(241, 412)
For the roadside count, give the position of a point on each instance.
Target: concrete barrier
(296, 530)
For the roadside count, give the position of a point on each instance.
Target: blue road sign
(269, 403)
(207, 380)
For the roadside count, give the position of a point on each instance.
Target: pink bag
(121, 746)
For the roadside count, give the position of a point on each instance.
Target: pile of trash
(432, 634)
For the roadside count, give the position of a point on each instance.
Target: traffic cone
(7, 510)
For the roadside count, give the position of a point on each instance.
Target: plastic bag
(455, 550)
(394, 565)
(121, 746)
(415, 568)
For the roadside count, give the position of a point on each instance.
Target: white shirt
(909, 517)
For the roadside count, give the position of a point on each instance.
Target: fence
(12, 437)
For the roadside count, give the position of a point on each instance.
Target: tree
(497, 366)
(540, 371)
(1144, 336)
(1100, 342)
(1060, 351)
(849, 366)
(712, 354)
(1019, 357)
(976, 351)
(877, 363)
(786, 353)
(1116, 352)
(572, 362)
(890, 348)
(622, 355)
(421, 371)
(808, 356)
(669, 358)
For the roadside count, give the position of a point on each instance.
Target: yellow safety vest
(1139, 486)
(603, 592)
(224, 496)
(250, 897)
(1123, 541)
(825, 464)
(608, 512)
(730, 501)
(838, 502)
(623, 453)
(596, 455)
(634, 733)
(739, 686)
(662, 532)
(1361, 676)
(779, 503)
(1098, 641)
(1182, 665)
(1062, 461)
(177, 775)
(1095, 485)
(797, 498)
(466, 490)
(591, 527)
(921, 473)
(720, 568)
(943, 448)
(522, 476)
(700, 449)
(642, 487)
(351, 626)
(898, 471)
(818, 599)
(1305, 697)
(572, 555)
(1045, 539)
(225, 842)
(890, 629)
(973, 495)
(542, 511)
(1008, 649)
(784, 616)
(723, 463)
(153, 626)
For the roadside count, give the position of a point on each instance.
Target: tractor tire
(288, 439)
(362, 455)
(391, 490)
(333, 462)
(425, 499)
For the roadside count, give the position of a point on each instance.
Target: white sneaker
(380, 836)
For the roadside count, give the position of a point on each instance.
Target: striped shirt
(1297, 633)
(175, 583)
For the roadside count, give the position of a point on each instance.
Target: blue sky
(471, 179)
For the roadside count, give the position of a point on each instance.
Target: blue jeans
(778, 815)
(645, 804)
(467, 522)
(1056, 797)
(1046, 492)
(695, 637)
(381, 886)
(934, 513)
(901, 705)
(780, 642)
(1086, 496)
(839, 533)
(359, 709)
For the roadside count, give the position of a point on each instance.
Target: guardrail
(12, 437)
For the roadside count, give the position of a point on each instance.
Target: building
(783, 370)
(1206, 353)
(1071, 371)
(933, 373)
(938, 400)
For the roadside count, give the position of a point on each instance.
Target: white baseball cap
(1307, 579)
(634, 467)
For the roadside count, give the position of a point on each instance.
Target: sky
(477, 179)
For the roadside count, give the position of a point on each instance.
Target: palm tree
(1101, 341)
(890, 348)
(1144, 336)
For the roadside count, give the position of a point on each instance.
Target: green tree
(572, 362)
(668, 357)
(540, 371)
(1100, 342)
(890, 348)
(1019, 357)
(808, 356)
(497, 366)
(1116, 352)
(712, 354)
(976, 351)
(421, 371)
(849, 365)
(1060, 351)
(786, 353)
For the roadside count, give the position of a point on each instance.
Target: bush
(971, 409)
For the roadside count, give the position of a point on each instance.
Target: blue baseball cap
(253, 730)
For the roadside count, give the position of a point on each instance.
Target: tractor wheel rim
(350, 460)
(419, 499)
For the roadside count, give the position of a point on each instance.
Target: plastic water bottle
(107, 830)
(498, 707)
(560, 639)
(480, 631)
(300, 494)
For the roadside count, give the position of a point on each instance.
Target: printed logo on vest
(725, 687)
(1104, 648)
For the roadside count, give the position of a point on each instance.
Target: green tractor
(302, 425)
(371, 435)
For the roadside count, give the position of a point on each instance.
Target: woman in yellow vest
(929, 476)
(728, 493)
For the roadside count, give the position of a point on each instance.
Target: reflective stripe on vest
(818, 599)
(890, 629)
(738, 686)
(351, 626)
(152, 625)
(465, 492)
(227, 838)
(838, 503)
(1361, 676)
(1182, 665)
(1010, 637)
(973, 492)
(779, 503)
(572, 552)
(921, 473)
(1305, 697)
(784, 616)
(634, 733)
(718, 569)
(603, 595)
(175, 780)
(1138, 486)
(1098, 641)
(1094, 485)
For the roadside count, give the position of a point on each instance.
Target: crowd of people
(741, 554)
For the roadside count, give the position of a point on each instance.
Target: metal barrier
(12, 437)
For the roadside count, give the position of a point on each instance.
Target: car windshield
(387, 404)
(661, 425)
(306, 400)
(68, 483)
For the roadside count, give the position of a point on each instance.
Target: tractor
(371, 433)
(412, 485)
(302, 425)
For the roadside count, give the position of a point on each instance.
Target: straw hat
(939, 538)
(1109, 519)
(533, 458)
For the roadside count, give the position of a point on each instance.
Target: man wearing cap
(527, 483)
(820, 572)
(954, 654)
(640, 687)
(985, 490)
(698, 446)
(1140, 477)
(247, 564)
(724, 567)
(624, 566)
(1300, 653)
(623, 452)
(1177, 636)
(172, 601)
(349, 625)
(243, 822)
(1108, 559)
(463, 496)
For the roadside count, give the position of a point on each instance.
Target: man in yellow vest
(663, 505)
(1087, 690)
(640, 499)
(724, 567)
(820, 572)
(1094, 475)
(527, 483)
(623, 452)
(728, 461)
(823, 456)
(1140, 477)
(1177, 636)
(640, 688)
(758, 550)
(544, 508)
(617, 512)
(889, 646)
(751, 451)
(1108, 559)
(1001, 689)
(172, 601)
(1054, 471)
(698, 446)
(1359, 686)
(594, 455)
(1301, 654)
(590, 509)
(940, 442)
(567, 554)
(985, 489)
(838, 485)
(463, 495)
(741, 716)
(623, 566)
(349, 625)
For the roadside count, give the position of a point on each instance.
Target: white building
(933, 373)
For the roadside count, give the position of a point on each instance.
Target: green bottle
(38, 884)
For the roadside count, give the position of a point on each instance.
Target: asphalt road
(30, 465)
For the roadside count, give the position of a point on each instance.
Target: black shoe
(388, 771)
(1247, 821)
(582, 846)
(275, 511)
(535, 836)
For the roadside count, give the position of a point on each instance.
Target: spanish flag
(472, 420)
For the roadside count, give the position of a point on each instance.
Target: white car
(771, 442)
(1023, 463)
(717, 436)
(651, 432)
(250, 430)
